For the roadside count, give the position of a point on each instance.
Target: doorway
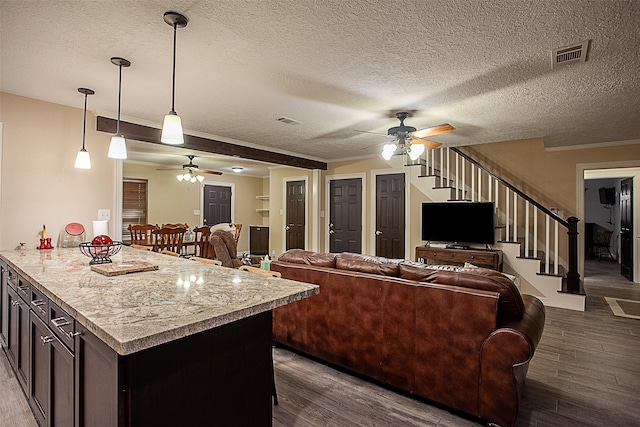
(390, 215)
(296, 214)
(217, 203)
(606, 204)
(345, 215)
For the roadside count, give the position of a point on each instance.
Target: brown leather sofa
(462, 339)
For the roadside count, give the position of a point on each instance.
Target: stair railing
(439, 162)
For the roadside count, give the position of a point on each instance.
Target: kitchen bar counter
(136, 311)
(186, 344)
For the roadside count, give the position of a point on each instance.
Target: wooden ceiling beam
(191, 142)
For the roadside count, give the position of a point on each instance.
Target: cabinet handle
(46, 339)
(16, 302)
(59, 322)
(23, 289)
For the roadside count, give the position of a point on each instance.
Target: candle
(44, 232)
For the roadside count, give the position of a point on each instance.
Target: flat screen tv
(458, 223)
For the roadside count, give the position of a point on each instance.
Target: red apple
(102, 240)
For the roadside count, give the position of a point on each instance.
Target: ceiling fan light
(200, 178)
(117, 147)
(83, 160)
(387, 155)
(172, 129)
(415, 150)
(180, 177)
(187, 176)
(193, 179)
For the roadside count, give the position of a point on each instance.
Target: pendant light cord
(119, 96)
(84, 121)
(173, 90)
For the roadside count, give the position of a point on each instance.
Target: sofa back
(510, 303)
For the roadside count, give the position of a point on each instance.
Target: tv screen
(607, 195)
(458, 222)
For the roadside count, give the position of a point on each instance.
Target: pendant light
(118, 146)
(83, 161)
(172, 125)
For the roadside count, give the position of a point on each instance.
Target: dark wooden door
(217, 204)
(295, 215)
(626, 228)
(390, 215)
(345, 215)
(258, 240)
(3, 308)
(18, 336)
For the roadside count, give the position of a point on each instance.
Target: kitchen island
(187, 344)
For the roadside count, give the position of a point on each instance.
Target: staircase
(539, 247)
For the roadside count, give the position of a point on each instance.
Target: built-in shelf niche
(263, 210)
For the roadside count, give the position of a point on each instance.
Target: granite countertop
(140, 310)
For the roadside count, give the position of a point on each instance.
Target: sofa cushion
(368, 264)
(300, 256)
(510, 303)
(419, 271)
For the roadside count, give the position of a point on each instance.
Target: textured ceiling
(336, 66)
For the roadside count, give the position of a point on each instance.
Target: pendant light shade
(172, 126)
(118, 145)
(83, 160)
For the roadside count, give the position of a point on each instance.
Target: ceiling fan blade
(427, 143)
(433, 130)
(169, 169)
(366, 131)
(209, 171)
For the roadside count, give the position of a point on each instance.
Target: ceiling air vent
(568, 55)
(288, 121)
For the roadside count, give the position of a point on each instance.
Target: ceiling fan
(191, 169)
(405, 137)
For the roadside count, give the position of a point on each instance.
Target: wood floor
(586, 372)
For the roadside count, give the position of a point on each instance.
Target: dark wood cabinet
(3, 298)
(478, 257)
(258, 240)
(52, 377)
(17, 348)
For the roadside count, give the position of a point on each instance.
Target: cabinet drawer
(23, 288)
(39, 303)
(63, 325)
(12, 278)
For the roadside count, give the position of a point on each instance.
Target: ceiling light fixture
(83, 160)
(402, 137)
(172, 125)
(190, 176)
(236, 169)
(118, 146)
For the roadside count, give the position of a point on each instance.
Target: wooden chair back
(176, 225)
(206, 260)
(141, 233)
(169, 239)
(202, 248)
(257, 270)
(236, 234)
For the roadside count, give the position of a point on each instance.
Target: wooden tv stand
(479, 257)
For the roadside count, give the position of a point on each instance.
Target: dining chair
(202, 247)
(141, 234)
(257, 270)
(206, 260)
(168, 239)
(168, 252)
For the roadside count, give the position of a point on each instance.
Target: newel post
(573, 277)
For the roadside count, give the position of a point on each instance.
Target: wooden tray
(117, 269)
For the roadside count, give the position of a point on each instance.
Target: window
(134, 203)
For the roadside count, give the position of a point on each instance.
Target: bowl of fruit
(100, 249)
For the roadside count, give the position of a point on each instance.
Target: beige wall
(39, 184)
(171, 201)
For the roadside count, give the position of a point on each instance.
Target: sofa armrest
(505, 357)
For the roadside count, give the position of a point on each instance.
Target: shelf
(262, 210)
(262, 197)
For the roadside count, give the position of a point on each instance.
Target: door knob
(331, 232)
(287, 228)
(378, 232)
